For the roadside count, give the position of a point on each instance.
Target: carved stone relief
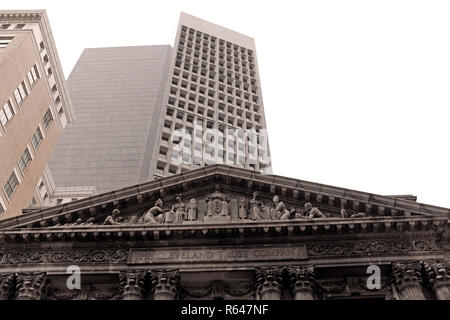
(225, 207)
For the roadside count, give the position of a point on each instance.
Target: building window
(1, 209)
(6, 114)
(20, 93)
(24, 160)
(20, 26)
(48, 118)
(4, 41)
(33, 75)
(11, 185)
(36, 139)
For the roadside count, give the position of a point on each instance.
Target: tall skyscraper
(117, 95)
(214, 102)
(152, 111)
(34, 108)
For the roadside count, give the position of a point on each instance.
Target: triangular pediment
(226, 196)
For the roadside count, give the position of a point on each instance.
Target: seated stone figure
(313, 212)
(358, 215)
(346, 215)
(114, 218)
(178, 211)
(154, 215)
(280, 211)
(192, 210)
(258, 211)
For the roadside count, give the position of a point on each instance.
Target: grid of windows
(20, 93)
(1, 209)
(25, 160)
(6, 114)
(33, 75)
(48, 118)
(11, 185)
(213, 86)
(36, 139)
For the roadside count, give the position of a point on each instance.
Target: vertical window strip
(11, 185)
(48, 118)
(36, 139)
(6, 114)
(24, 160)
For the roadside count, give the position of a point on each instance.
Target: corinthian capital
(31, 286)
(438, 276)
(438, 273)
(407, 273)
(302, 282)
(132, 285)
(165, 284)
(408, 278)
(6, 286)
(269, 282)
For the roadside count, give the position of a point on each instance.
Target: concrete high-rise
(214, 102)
(152, 111)
(34, 108)
(117, 94)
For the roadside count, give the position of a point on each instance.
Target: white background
(356, 93)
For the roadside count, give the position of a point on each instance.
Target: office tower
(151, 111)
(215, 111)
(117, 96)
(34, 108)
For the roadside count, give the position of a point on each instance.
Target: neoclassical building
(221, 232)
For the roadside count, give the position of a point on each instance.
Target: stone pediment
(226, 197)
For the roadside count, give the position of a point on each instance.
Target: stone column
(31, 286)
(438, 275)
(132, 285)
(269, 282)
(165, 284)
(408, 279)
(6, 286)
(302, 282)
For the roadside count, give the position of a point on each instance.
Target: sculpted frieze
(226, 206)
(66, 256)
(371, 247)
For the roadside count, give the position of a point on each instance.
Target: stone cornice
(287, 187)
(21, 15)
(324, 227)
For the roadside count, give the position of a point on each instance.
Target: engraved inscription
(149, 256)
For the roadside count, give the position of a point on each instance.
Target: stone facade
(292, 241)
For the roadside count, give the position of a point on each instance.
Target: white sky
(356, 93)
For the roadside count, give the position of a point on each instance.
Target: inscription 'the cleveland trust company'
(200, 254)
